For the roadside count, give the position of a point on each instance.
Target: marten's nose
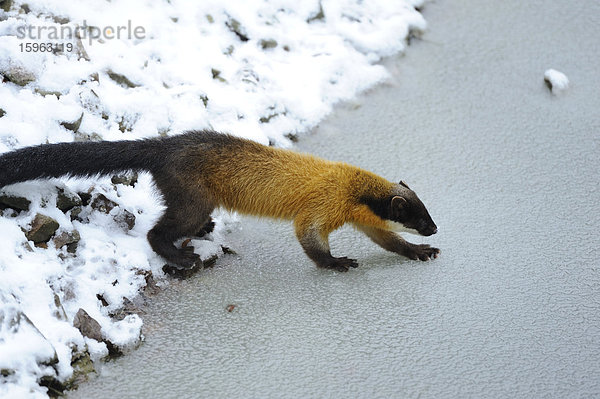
(428, 231)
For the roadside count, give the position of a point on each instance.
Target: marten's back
(265, 181)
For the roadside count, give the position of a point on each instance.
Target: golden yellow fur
(283, 184)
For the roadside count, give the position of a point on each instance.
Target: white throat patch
(400, 228)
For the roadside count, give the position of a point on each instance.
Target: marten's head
(402, 210)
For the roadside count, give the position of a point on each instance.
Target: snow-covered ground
(266, 70)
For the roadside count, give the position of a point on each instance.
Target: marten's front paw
(422, 252)
(340, 264)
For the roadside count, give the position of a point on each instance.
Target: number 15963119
(45, 47)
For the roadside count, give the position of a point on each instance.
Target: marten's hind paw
(186, 258)
(422, 252)
(206, 229)
(340, 264)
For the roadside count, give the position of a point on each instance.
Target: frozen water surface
(509, 173)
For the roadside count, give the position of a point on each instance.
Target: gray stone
(103, 204)
(67, 200)
(268, 43)
(73, 126)
(13, 321)
(75, 213)
(5, 5)
(128, 179)
(318, 16)
(19, 75)
(42, 228)
(45, 93)
(216, 74)
(125, 219)
(121, 80)
(82, 366)
(59, 312)
(235, 26)
(87, 325)
(14, 202)
(66, 238)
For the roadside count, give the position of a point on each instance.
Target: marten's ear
(404, 184)
(399, 205)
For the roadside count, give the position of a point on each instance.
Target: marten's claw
(342, 264)
(186, 258)
(422, 252)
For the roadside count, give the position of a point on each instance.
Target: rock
(125, 220)
(45, 93)
(183, 273)
(103, 204)
(216, 74)
(42, 228)
(151, 287)
(75, 213)
(129, 308)
(5, 5)
(87, 325)
(67, 200)
(210, 262)
(86, 198)
(124, 125)
(73, 126)
(235, 26)
(102, 300)
(128, 179)
(293, 137)
(79, 136)
(59, 312)
(204, 99)
(121, 80)
(18, 75)
(61, 20)
(14, 202)
(6, 372)
(14, 321)
(66, 238)
(268, 43)
(2, 112)
(82, 366)
(227, 250)
(318, 16)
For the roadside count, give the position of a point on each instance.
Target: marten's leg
(315, 242)
(186, 213)
(208, 228)
(393, 242)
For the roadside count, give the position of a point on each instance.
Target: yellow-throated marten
(201, 170)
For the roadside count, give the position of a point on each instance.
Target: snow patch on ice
(557, 81)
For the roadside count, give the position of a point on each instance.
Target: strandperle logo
(83, 31)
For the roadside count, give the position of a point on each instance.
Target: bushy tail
(79, 159)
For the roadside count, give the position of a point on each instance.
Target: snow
(558, 81)
(190, 70)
